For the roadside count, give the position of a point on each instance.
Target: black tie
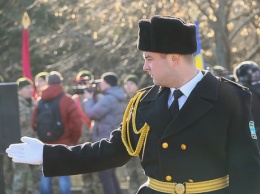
(174, 108)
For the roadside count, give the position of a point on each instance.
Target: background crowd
(90, 112)
(92, 109)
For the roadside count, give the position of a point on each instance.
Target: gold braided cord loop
(143, 132)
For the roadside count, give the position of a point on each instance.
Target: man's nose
(145, 66)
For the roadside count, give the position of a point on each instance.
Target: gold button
(168, 178)
(190, 181)
(165, 145)
(183, 146)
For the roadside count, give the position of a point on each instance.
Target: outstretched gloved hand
(29, 152)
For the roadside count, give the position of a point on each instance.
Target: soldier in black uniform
(247, 73)
(193, 132)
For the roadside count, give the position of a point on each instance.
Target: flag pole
(199, 62)
(25, 46)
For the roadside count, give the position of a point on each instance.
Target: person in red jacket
(71, 119)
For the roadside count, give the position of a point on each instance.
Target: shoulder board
(232, 82)
(146, 88)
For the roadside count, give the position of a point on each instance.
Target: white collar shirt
(185, 89)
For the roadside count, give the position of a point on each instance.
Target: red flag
(26, 47)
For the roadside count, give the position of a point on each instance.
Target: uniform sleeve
(60, 160)
(243, 152)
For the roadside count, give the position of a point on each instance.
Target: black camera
(85, 81)
(90, 87)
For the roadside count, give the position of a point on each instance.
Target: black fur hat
(166, 34)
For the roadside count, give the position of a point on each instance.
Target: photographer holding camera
(85, 81)
(107, 112)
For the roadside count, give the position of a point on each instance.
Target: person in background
(91, 181)
(82, 80)
(131, 85)
(107, 113)
(40, 81)
(247, 73)
(133, 167)
(70, 116)
(193, 132)
(220, 71)
(24, 174)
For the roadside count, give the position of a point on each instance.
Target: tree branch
(241, 25)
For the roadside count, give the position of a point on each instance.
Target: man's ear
(175, 57)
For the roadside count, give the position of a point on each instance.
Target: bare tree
(99, 35)
(231, 29)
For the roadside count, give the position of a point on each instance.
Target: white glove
(29, 152)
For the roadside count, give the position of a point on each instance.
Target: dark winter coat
(210, 138)
(255, 107)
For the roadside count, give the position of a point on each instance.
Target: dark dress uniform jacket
(255, 107)
(209, 139)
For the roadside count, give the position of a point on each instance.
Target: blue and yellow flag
(198, 59)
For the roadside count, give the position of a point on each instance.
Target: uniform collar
(188, 87)
(204, 92)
